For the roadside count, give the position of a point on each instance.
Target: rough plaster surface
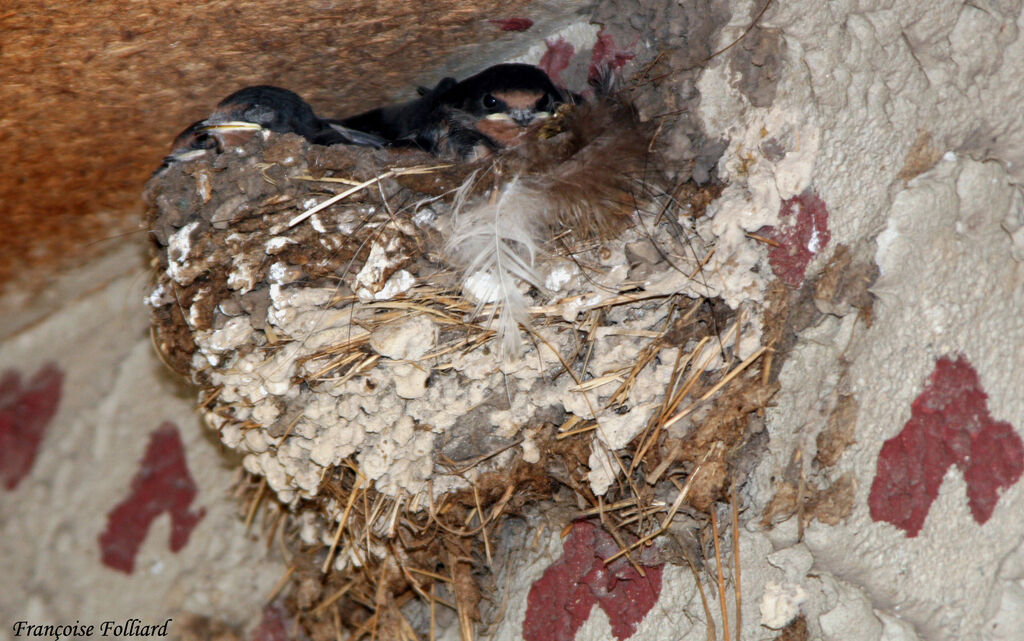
(784, 578)
(949, 286)
(114, 394)
(869, 96)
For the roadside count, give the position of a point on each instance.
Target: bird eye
(490, 102)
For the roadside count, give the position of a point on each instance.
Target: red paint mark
(25, 412)
(162, 484)
(607, 55)
(560, 601)
(512, 24)
(273, 626)
(556, 58)
(801, 235)
(949, 425)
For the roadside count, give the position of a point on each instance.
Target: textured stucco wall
(111, 395)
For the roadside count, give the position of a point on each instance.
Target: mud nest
(406, 351)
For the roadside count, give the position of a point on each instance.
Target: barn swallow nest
(358, 359)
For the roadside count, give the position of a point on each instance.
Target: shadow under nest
(445, 345)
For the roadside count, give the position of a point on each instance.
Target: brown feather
(592, 171)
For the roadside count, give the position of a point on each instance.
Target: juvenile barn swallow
(251, 109)
(470, 118)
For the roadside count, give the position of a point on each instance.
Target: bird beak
(231, 126)
(189, 154)
(522, 117)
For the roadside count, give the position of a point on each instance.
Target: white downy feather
(496, 243)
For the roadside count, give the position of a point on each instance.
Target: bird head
(506, 99)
